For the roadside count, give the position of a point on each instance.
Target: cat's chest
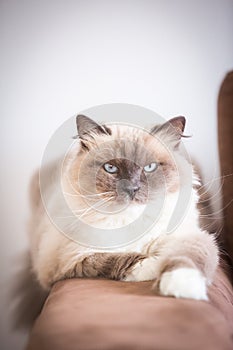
(162, 223)
(143, 226)
(137, 228)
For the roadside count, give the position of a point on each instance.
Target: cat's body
(181, 263)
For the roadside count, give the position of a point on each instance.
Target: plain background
(60, 57)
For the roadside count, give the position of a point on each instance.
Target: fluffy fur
(182, 264)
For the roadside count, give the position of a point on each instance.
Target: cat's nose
(128, 187)
(131, 190)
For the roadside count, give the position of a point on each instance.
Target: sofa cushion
(103, 314)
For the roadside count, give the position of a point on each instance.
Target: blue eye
(112, 169)
(150, 167)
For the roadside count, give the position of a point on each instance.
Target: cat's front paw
(144, 270)
(184, 283)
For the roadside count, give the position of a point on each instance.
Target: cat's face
(123, 164)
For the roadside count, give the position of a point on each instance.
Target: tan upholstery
(104, 315)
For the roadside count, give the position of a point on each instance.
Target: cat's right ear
(88, 128)
(171, 131)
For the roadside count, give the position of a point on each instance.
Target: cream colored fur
(54, 254)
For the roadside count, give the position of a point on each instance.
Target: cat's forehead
(128, 131)
(131, 143)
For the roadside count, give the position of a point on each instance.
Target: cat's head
(125, 164)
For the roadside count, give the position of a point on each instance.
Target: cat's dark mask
(126, 163)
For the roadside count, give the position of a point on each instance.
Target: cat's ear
(178, 123)
(172, 130)
(86, 127)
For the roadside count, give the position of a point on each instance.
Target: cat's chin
(116, 216)
(120, 205)
(126, 201)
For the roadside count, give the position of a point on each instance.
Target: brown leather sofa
(101, 314)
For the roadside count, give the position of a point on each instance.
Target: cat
(109, 177)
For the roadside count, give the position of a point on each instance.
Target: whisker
(85, 210)
(82, 195)
(222, 177)
(216, 230)
(211, 197)
(87, 195)
(88, 210)
(96, 206)
(210, 182)
(67, 177)
(218, 211)
(208, 206)
(72, 224)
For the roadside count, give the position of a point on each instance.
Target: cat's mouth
(130, 198)
(122, 202)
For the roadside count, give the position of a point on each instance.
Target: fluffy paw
(184, 283)
(144, 270)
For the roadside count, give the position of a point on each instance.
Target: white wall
(60, 57)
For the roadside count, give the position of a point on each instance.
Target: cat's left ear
(86, 127)
(172, 130)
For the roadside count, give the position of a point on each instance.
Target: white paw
(184, 283)
(144, 270)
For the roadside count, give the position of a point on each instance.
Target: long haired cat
(108, 179)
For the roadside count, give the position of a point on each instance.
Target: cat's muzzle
(126, 189)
